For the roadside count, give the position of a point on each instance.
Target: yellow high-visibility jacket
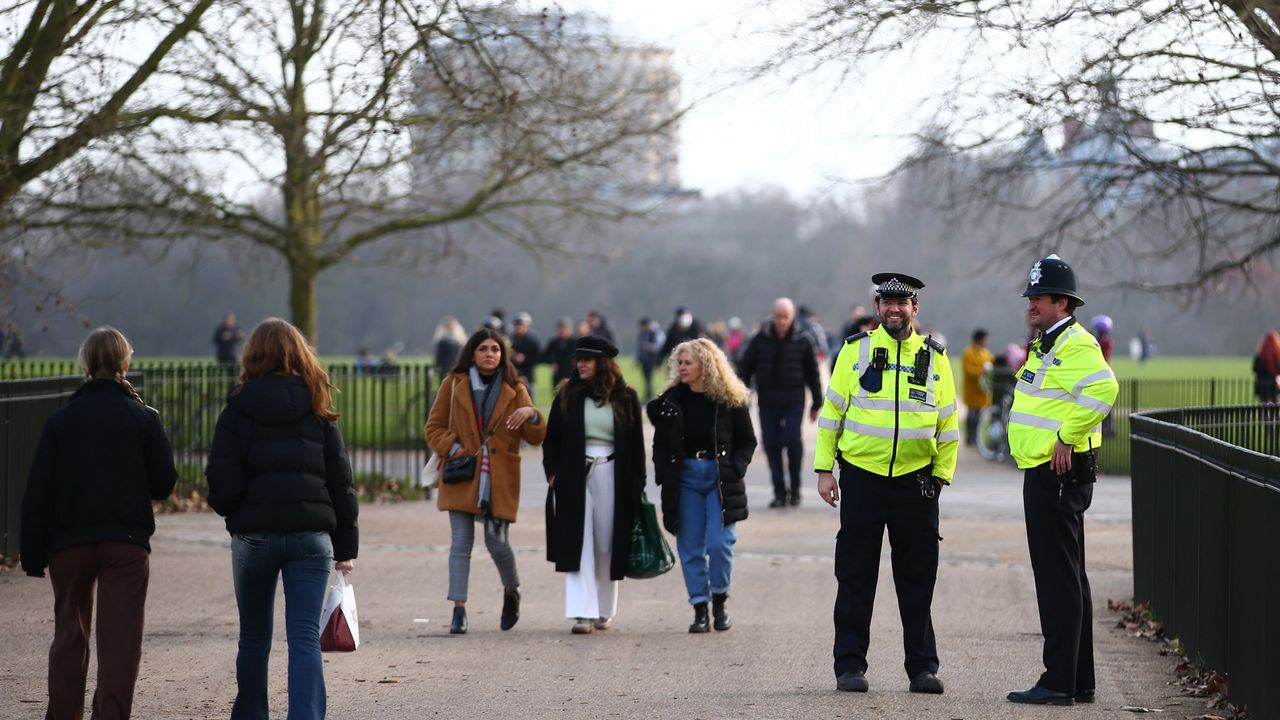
(899, 428)
(1063, 391)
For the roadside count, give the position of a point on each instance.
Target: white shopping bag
(339, 623)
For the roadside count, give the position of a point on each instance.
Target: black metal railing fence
(24, 406)
(1206, 496)
(383, 410)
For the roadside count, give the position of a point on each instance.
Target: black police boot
(510, 608)
(459, 625)
(701, 623)
(719, 612)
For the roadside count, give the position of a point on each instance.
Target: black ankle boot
(719, 612)
(510, 608)
(700, 620)
(459, 625)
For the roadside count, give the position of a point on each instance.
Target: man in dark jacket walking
(780, 359)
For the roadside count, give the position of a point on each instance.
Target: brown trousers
(121, 572)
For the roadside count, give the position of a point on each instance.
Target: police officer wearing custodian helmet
(1062, 394)
(889, 416)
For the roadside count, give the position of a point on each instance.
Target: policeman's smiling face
(896, 314)
(1045, 310)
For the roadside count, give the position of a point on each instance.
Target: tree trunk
(302, 297)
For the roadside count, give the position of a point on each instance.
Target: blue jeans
(704, 542)
(257, 561)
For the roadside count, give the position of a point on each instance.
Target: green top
(599, 422)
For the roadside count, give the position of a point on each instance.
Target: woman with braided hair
(86, 515)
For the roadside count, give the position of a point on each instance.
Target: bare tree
(318, 130)
(74, 73)
(1146, 128)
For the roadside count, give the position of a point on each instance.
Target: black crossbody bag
(462, 469)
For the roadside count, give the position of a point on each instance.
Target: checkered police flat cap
(896, 285)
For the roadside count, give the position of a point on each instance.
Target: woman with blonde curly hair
(702, 443)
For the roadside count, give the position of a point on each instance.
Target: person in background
(448, 338)
(859, 321)
(226, 337)
(702, 444)
(365, 364)
(526, 350)
(808, 321)
(1102, 327)
(1266, 368)
(684, 327)
(599, 326)
(735, 341)
(975, 363)
(781, 362)
(559, 351)
(594, 460)
(498, 321)
(101, 460)
(649, 340)
(717, 332)
(584, 329)
(483, 411)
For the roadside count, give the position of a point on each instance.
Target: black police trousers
(1055, 536)
(869, 503)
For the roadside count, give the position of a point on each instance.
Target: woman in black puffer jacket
(278, 471)
(702, 443)
(86, 515)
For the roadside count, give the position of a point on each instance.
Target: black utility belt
(1084, 468)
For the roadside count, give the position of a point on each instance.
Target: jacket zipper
(893, 454)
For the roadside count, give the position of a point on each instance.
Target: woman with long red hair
(1266, 368)
(278, 471)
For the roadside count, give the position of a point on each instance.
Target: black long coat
(735, 443)
(563, 456)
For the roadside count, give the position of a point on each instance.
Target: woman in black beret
(594, 459)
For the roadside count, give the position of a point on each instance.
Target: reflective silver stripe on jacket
(1085, 401)
(1087, 380)
(1047, 361)
(949, 436)
(1022, 418)
(837, 399)
(924, 433)
(946, 412)
(828, 424)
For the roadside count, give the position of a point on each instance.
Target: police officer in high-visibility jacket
(1062, 394)
(889, 418)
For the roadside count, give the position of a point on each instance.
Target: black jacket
(677, 335)
(782, 367)
(528, 346)
(101, 460)
(559, 353)
(563, 456)
(735, 443)
(276, 467)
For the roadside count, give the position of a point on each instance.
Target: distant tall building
(534, 91)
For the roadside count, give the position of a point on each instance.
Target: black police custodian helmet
(1052, 276)
(591, 346)
(896, 285)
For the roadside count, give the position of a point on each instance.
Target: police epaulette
(858, 336)
(935, 344)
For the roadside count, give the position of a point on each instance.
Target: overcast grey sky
(803, 136)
